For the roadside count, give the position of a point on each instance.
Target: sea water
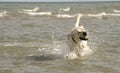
(35, 41)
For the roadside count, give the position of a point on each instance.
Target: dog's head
(78, 34)
(82, 34)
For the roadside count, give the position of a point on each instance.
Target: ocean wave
(103, 14)
(65, 9)
(39, 13)
(36, 13)
(31, 10)
(116, 11)
(3, 13)
(65, 16)
(60, 15)
(24, 44)
(113, 14)
(97, 15)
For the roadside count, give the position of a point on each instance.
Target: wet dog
(78, 39)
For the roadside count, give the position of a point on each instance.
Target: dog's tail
(78, 20)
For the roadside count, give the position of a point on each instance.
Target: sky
(52, 0)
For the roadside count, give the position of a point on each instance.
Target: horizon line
(59, 1)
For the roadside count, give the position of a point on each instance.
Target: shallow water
(37, 44)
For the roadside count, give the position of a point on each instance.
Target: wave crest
(30, 10)
(37, 13)
(3, 13)
(116, 11)
(65, 9)
(65, 16)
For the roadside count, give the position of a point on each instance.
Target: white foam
(64, 9)
(116, 11)
(71, 55)
(97, 15)
(113, 14)
(102, 14)
(37, 13)
(3, 13)
(30, 10)
(65, 16)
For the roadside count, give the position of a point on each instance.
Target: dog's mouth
(80, 36)
(83, 35)
(84, 38)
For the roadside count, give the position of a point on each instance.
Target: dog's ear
(82, 27)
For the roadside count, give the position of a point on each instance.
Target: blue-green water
(31, 42)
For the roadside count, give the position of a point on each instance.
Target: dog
(79, 38)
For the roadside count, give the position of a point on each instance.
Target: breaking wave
(34, 12)
(65, 9)
(31, 10)
(98, 15)
(65, 16)
(103, 14)
(3, 13)
(116, 11)
(37, 13)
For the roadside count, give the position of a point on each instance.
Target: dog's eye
(82, 33)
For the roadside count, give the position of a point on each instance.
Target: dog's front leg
(81, 45)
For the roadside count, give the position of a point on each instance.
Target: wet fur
(76, 37)
(78, 41)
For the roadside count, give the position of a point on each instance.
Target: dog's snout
(83, 35)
